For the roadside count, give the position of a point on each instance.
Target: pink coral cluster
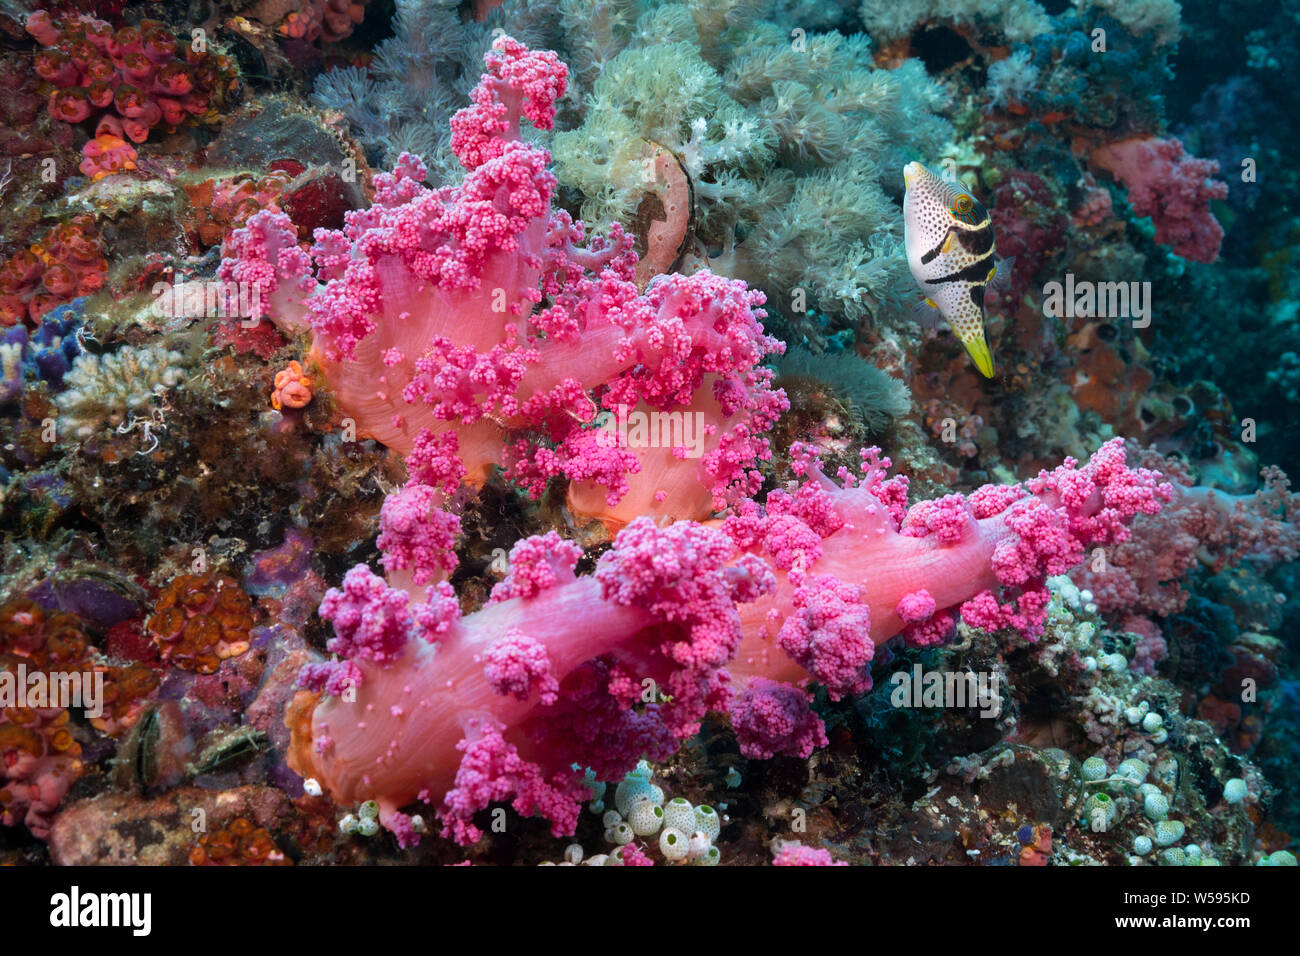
(550, 674)
(425, 312)
(130, 80)
(1141, 576)
(67, 262)
(310, 20)
(1173, 189)
(1029, 227)
(796, 854)
(477, 309)
(39, 761)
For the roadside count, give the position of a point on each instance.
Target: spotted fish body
(949, 240)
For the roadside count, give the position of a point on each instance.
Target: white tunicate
(699, 845)
(1114, 662)
(1234, 791)
(348, 824)
(708, 822)
(622, 834)
(573, 853)
(710, 858)
(645, 818)
(311, 786)
(367, 826)
(673, 844)
(1094, 768)
(1152, 722)
(679, 814)
(1156, 806)
(1134, 769)
(612, 818)
(627, 792)
(1169, 832)
(1141, 845)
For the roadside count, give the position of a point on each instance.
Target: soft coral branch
(553, 664)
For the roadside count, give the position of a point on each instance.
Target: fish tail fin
(980, 355)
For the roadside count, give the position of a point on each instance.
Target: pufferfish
(949, 239)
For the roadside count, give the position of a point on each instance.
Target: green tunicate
(1169, 832)
(1099, 812)
(1156, 806)
(1094, 768)
(1279, 858)
(1134, 769)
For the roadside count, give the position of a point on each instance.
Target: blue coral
(45, 355)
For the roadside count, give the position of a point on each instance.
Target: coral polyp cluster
(239, 843)
(65, 263)
(200, 620)
(127, 80)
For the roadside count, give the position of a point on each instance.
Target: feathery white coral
(1011, 78)
(114, 388)
(1018, 20)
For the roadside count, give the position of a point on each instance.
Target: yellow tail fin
(980, 354)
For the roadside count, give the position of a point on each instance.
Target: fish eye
(961, 204)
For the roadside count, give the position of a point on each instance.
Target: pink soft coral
(427, 314)
(1143, 574)
(710, 618)
(1173, 189)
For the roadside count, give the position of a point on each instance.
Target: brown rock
(126, 830)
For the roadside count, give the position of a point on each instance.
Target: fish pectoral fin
(949, 242)
(1000, 275)
(927, 314)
